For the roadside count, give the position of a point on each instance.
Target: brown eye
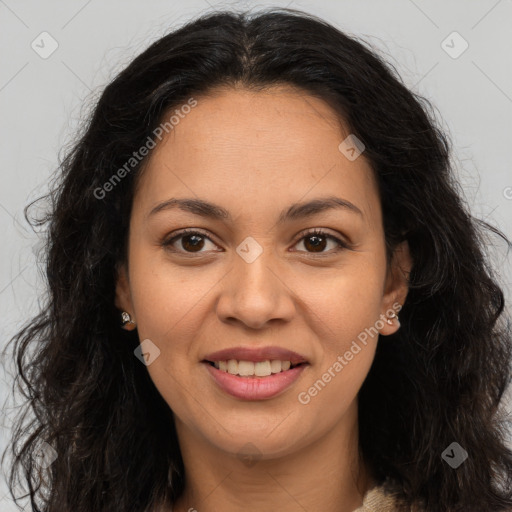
(316, 241)
(192, 241)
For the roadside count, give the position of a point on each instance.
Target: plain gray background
(43, 99)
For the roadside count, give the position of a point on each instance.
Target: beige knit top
(375, 501)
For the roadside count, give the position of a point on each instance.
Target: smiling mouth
(242, 368)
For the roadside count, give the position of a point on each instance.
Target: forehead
(279, 117)
(248, 146)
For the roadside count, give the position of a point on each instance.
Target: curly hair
(438, 379)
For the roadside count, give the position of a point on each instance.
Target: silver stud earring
(126, 321)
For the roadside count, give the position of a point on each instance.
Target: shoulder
(378, 499)
(383, 498)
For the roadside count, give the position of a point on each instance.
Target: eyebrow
(296, 211)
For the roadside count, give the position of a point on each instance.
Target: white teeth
(262, 369)
(250, 368)
(275, 366)
(245, 368)
(233, 366)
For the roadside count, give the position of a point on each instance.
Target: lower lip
(255, 388)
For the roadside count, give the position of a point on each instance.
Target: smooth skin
(255, 154)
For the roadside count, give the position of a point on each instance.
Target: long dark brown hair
(438, 380)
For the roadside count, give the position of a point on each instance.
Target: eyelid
(167, 241)
(340, 240)
(343, 241)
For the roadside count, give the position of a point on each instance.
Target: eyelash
(167, 243)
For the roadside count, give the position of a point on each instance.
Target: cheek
(334, 388)
(350, 334)
(167, 297)
(347, 303)
(182, 391)
(346, 319)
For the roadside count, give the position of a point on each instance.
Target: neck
(326, 474)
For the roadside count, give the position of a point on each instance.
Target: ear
(396, 287)
(123, 299)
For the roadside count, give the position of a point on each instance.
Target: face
(263, 273)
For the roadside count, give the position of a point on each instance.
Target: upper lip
(256, 354)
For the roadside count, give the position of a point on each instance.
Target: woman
(266, 292)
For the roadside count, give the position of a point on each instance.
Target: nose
(255, 294)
